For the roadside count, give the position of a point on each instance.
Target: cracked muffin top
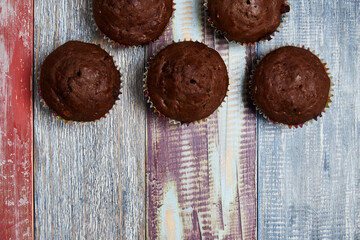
(187, 81)
(291, 86)
(247, 21)
(79, 81)
(134, 22)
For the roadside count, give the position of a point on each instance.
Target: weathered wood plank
(309, 178)
(201, 178)
(89, 178)
(16, 184)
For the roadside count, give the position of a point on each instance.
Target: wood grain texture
(309, 178)
(201, 179)
(16, 184)
(89, 177)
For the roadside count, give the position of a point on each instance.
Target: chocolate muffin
(187, 81)
(247, 21)
(134, 22)
(79, 81)
(291, 86)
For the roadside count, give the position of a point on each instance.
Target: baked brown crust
(291, 86)
(133, 22)
(187, 81)
(79, 81)
(247, 21)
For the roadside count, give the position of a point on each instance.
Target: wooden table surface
(133, 175)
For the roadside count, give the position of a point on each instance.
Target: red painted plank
(16, 60)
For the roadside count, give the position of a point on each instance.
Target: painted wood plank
(89, 178)
(201, 179)
(309, 178)
(16, 185)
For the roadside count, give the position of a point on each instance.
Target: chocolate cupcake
(132, 23)
(187, 81)
(291, 86)
(247, 21)
(79, 81)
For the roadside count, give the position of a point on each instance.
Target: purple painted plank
(185, 165)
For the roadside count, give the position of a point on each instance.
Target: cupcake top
(79, 81)
(133, 22)
(247, 21)
(291, 86)
(187, 81)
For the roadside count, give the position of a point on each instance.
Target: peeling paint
(169, 215)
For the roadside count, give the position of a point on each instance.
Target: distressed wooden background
(111, 179)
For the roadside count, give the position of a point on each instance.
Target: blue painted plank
(89, 178)
(309, 178)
